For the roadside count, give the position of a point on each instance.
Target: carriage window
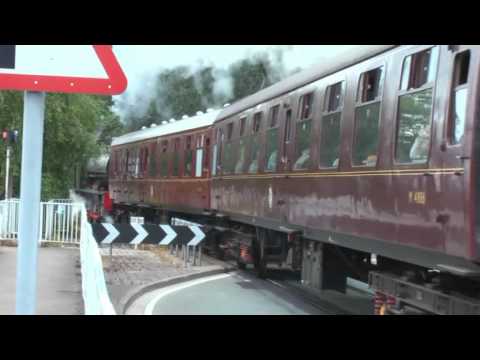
(229, 131)
(330, 127)
(152, 165)
(144, 161)
(227, 155)
(127, 164)
(188, 157)
(334, 97)
(227, 149)
(228, 158)
(242, 152)
(305, 108)
(206, 159)
(286, 134)
(134, 164)
(198, 162)
(330, 140)
(406, 73)
(257, 122)
(141, 153)
(140, 163)
(164, 159)
(419, 69)
(413, 137)
(271, 150)
(243, 121)
(115, 162)
(302, 150)
(274, 115)
(415, 107)
(459, 98)
(219, 146)
(288, 127)
(176, 157)
(255, 148)
(367, 118)
(370, 85)
(214, 160)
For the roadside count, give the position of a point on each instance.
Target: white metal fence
(9, 219)
(60, 221)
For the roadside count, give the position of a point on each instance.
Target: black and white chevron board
(136, 234)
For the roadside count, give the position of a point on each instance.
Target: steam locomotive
(365, 166)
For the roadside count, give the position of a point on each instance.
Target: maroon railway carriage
(376, 151)
(163, 167)
(364, 167)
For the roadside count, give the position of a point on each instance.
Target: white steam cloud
(137, 101)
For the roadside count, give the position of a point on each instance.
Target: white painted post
(30, 186)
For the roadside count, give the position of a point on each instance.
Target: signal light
(10, 136)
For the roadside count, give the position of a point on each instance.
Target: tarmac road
(236, 293)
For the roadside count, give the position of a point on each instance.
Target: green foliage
(77, 128)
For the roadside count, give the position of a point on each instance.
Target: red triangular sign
(86, 69)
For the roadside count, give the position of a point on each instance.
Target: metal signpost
(87, 69)
(29, 211)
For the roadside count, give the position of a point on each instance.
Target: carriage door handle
(462, 158)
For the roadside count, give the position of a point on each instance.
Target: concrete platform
(59, 290)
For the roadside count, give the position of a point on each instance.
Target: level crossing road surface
(59, 290)
(236, 293)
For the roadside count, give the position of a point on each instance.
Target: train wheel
(261, 268)
(241, 265)
(258, 252)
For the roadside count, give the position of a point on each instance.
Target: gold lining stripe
(353, 172)
(395, 172)
(344, 174)
(160, 180)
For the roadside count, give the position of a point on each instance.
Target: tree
(77, 128)
(184, 91)
(256, 73)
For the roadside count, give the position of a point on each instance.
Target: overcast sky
(143, 62)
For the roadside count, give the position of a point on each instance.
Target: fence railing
(9, 210)
(60, 221)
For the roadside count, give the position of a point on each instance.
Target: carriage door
(285, 160)
(456, 147)
(280, 198)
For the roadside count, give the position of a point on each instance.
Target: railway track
(327, 302)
